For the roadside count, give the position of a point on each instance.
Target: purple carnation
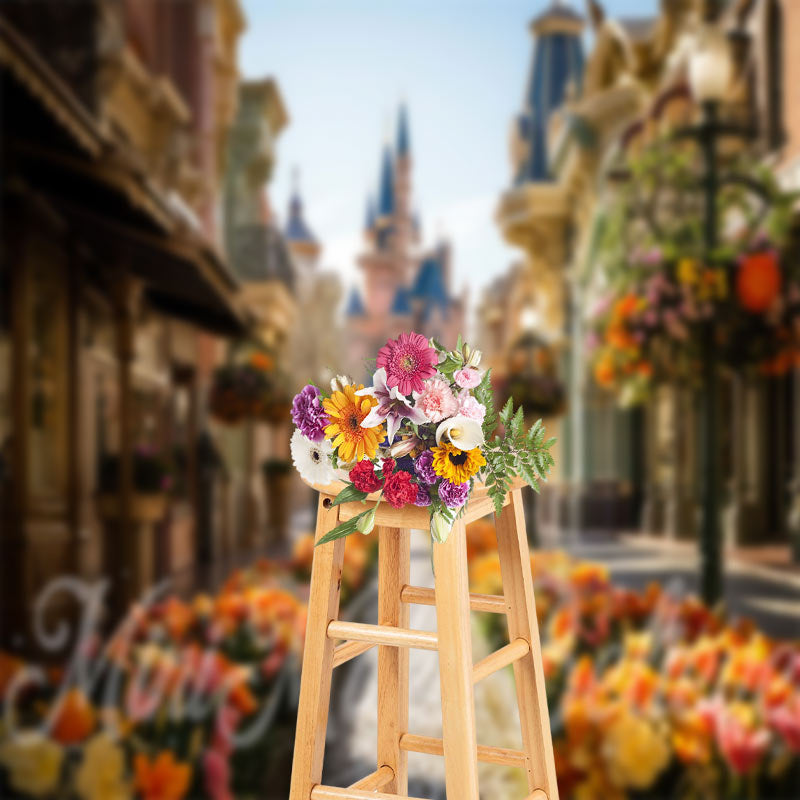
(308, 414)
(454, 495)
(423, 498)
(423, 466)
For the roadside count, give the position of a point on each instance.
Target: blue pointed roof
(403, 135)
(386, 185)
(296, 228)
(355, 306)
(429, 288)
(402, 301)
(369, 219)
(557, 62)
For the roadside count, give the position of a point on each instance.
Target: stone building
(405, 287)
(621, 468)
(116, 296)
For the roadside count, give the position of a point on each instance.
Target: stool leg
(455, 666)
(315, 683)
(393, 574)
(512, 544)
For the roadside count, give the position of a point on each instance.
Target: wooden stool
(392, 635)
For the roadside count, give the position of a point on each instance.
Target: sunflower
(457, 466)
(346, 412)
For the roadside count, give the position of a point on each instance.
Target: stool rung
(375, 781)
(383, 634)
(493, 603)
(512, 652)
(320, 792)
(414, 743)
(342, 653)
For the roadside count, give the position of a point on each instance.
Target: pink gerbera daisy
(408, 361)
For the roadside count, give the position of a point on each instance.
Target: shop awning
(53, 143)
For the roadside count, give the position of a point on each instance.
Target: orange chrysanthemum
(75, 718)
(163, 779)
(346, 411)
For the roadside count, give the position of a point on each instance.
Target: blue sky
(343, 68)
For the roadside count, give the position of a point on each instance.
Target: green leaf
(348, 495)
(344, 529)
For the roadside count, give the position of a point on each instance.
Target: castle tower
(405, 228)
(303, 245)
(556, 70)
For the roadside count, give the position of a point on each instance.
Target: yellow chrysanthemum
(457, 466)
(346, 412)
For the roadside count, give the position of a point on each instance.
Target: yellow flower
(101, 775)
(33, 762)
(457, 466)
(635, 750)
(687, 270)
(346, 412)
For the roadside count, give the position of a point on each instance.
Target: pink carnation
(437, 401)
(467, 378)
(468, 406)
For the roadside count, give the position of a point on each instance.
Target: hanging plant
(661, 290)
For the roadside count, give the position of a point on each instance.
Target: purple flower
(423, 498)
(453, 495)
(423, 466)
(308, 414)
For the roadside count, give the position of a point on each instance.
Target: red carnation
(364, 478)
(388, 467)
(400, 490)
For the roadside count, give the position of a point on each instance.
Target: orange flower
(604, 371)
(626, 305)
(261, 361)
(162, 779)
(242, 698)
(758, 281)
(75, 718)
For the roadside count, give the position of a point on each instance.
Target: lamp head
(710, 65)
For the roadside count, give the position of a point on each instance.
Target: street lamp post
(709, 76)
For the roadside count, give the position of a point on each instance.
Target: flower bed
(653, 696)
(650, 696)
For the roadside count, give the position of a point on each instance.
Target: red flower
(364, 478)
(400, 490)
(388, 467)
(758, 281)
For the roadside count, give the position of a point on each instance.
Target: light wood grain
(455, 665)
(393, 573)
(415, 743)
(383, 634)
(342, 653)
(515, 568)
(500, 658)
(537, 795)
(420, 595)
(315, 682)
(332, 793)
(375, 781)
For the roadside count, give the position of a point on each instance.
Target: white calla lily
(462, 432)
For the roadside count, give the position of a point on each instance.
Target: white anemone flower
(461, 431)
(312, 459)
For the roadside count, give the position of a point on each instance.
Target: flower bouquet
(423, 434)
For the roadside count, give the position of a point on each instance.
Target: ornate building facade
(405, 287)
(627, 467)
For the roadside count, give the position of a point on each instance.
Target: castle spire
(297, 233)
(386, 185)
(403, 144)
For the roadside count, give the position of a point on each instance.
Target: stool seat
(331, 642)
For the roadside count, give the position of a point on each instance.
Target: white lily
(462, 432)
